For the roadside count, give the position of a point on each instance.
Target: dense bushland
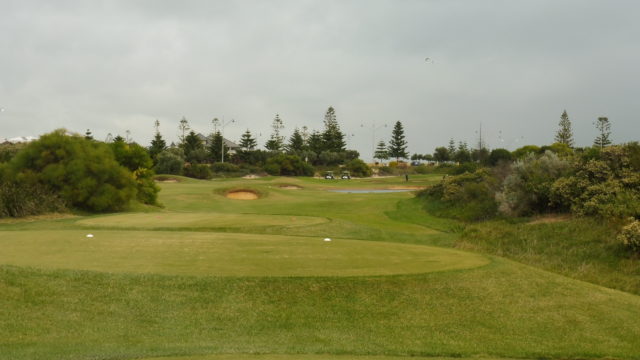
(82, 173)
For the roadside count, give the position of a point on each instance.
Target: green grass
(223, 254)
(208, 278)
(582, 248)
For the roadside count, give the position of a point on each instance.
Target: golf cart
(346, 175)
(329, 175)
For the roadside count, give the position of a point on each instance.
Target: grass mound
(197, 221)
(224, 254)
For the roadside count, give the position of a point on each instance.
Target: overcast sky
(514, 66)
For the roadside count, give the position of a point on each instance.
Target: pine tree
(452, 147)
(296, 142)
(247, 141)
(158, 144)
(381, 151)
(332, 137)
(191, 143)
(183, 127)
(315, 142)
(604, 127)
(397, 144)
(276, 141)
(564, 134)
(215, 147)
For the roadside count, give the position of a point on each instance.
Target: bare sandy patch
(290, 187)
(549, 219)
(242, 195)
(167, 181)
(409, 187)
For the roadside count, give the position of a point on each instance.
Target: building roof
(228, 143)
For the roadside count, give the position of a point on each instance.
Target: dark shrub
(226, 167)
(83, 173)
(169, 163)
(469, 196)
(499, 155)
(17, 200)
(198, 171)
(358, 168)
(288, 165)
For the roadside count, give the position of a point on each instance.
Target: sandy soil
(242, 195)
(406, 187)
(548, 219)
(290, 187)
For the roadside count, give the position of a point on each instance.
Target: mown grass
(224, 254)
(500, 310)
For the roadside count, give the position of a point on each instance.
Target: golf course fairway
(224, 254)
(206, 277)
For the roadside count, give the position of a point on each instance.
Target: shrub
(358, 168)
(8, 151)
(606, 187)
(198, 171)
(385, 170)
(136, 158)
(467, 167)
(527, 189)
(169, 163)
(630, 236)
(469, 196)
(83, 173)
(525, 150)
(226, 167)
(499, 155)
(288, 165)
(17, 200)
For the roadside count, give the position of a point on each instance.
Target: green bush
(358, 168)
(17, 200)
(499, 155)
(8, 151)
(169, 163)
(467, 167)
(606, 187)
(385, 170)
(288, 165)
(136, 158)
(469, 196)
(226, 167)
(630, 236)
(528, 188)
(198, 171)
(83, 173)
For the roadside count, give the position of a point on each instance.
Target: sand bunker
(290, 187)
(242, 195)
(167, 181)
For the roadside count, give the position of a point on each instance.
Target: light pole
(373, 139)
(222, 124)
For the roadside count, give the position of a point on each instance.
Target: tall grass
(581, 248)
(18, 200)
